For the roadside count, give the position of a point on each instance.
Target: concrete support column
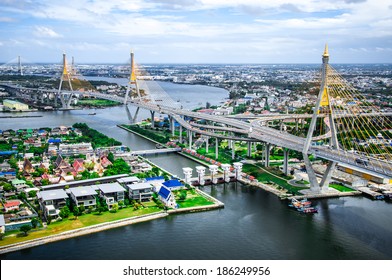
(281, 126)
(249, 151)
(296, 124)
(180, 133)
(216, 148)
(267, 154)
(232, 151)
(152, 119)
(207, 138)
(190, 139)
(286, 161)
(324, 184)
(314, 185)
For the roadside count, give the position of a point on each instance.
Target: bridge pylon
(322, 106)
(132, 80)
(66, 75)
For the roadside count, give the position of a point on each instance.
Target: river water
(253, 224)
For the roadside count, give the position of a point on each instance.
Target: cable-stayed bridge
(341, 117)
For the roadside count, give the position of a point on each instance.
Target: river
(253, 224)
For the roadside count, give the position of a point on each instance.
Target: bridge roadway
(257, 132)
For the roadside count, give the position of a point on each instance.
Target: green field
(81, 221)
(340, 188)
(97, 102)
(193, 199)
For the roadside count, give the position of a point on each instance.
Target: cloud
(7, 19)
(45, 32)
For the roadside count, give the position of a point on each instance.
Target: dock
(372, 194)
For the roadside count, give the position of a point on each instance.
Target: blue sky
(196, 31)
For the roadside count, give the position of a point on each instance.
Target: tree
(25, 229)
(2, 234)
(82, 209)
(182, 195)
(115, 207)
(76, 212)
(34, 222)
(32, 194)
(111, 157)
(121, 204)
(64, 212)
(49, 220)
(90, 209)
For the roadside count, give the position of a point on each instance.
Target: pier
(372, 194)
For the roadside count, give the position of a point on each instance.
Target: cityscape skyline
(216, 32)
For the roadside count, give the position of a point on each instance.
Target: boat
(303, 206)
(309, 210)
(92, 114)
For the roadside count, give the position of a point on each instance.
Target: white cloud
(45, 32)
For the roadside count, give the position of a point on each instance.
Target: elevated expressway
(256, 131)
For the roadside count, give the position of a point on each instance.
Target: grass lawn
(97, 102)
(82, 221)
(262, 176)
(192, 199)
(340, 188)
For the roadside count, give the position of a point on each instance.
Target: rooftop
(53, 194)
(139, 186)
(111, 187)
(82, 191)
(129, 179)
(164, 192)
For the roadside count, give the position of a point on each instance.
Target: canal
(253, 225)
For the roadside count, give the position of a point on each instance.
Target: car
(361, 161)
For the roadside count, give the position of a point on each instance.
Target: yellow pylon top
(326, 50)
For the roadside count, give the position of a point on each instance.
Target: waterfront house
(140, 191)
(51, 201)
(85, 196)
(128, 180)
(111, 192)
(167, 197)
(173, 184)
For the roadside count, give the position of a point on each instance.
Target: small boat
(309, 210)
(92, 114)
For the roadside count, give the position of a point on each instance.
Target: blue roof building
(166, 196)
(156, 178)
(173, 183)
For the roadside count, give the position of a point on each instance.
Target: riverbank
(80, 232)
(110, 225)
(16, 117)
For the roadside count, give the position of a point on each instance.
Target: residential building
(112, 193)
(51, 201)
(166, 196)
(75, 149)
(140, 191)
(12, 205)
(85, 196)
(128, 180)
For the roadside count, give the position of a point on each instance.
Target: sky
(196, 31)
